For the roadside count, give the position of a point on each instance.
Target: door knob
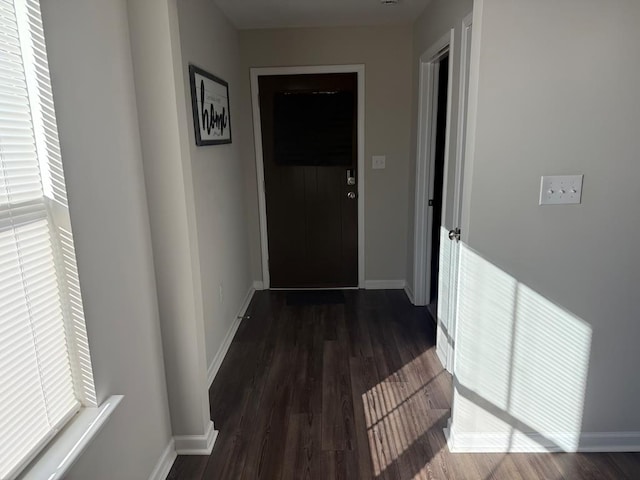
(454, 234)
(351, 195)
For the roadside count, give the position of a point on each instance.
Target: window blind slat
(14, 305)
(18, 460)
(20, 343)
(35, 424)
(25, 379)
(17, 289)
(39, 388)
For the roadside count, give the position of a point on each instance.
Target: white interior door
(451, 220)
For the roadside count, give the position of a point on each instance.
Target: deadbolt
(351, 180)
(351, 195)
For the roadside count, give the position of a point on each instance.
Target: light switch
(378, 161)
(560, 189)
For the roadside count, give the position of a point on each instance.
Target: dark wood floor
(351, 391)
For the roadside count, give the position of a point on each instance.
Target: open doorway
(440, 172)
(431, 167)
(441, 95)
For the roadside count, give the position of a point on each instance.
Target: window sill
(58, 457)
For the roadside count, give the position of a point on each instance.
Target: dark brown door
(309, 145)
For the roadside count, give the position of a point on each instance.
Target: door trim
(425, 161)
(460, 182)
(257, 138)
(463, 100)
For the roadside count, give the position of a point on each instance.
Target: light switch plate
(560, 189)
(378, 161)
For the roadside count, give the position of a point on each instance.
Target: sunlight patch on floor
(399, 416)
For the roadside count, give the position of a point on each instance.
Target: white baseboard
(310, 289)
(538, 443)
(196, 444)
(409, 292)
(226, 342)
(165, 462)
(257, 285)
(384, 284)
(610, 442)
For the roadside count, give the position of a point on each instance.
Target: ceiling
(245, 14)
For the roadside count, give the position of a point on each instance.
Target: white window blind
(45, 370)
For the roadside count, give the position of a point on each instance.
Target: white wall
(162, 111)
(209, 41)
(557, 93)
(386, 53)
(90, 61)
(439, 17)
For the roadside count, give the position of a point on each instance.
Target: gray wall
(437, 20)
(209, 41)
(162, 111)
(91, 69)
(386, 53)
(558, 94)
(92, 62)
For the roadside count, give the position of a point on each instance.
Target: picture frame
(210, 106)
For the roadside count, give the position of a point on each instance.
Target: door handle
(454, 234)
(351, 195)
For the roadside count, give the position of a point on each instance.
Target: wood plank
(385, 354)
(363, 374)
(269, 429)
(535, 465)
(339, 465)
(307, 392)
(228, 459)
(498, 466)
(337, 406)
(188, 467)
(445, 465)
(303, 457)
(629, 463)
(587, 466)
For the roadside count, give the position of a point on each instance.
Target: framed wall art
(210, 104)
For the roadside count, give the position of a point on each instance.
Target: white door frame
(461, 141)
(257, 132)
(425, 161)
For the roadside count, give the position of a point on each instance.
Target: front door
(309, 144)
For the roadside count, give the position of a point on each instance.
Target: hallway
(350, 389)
